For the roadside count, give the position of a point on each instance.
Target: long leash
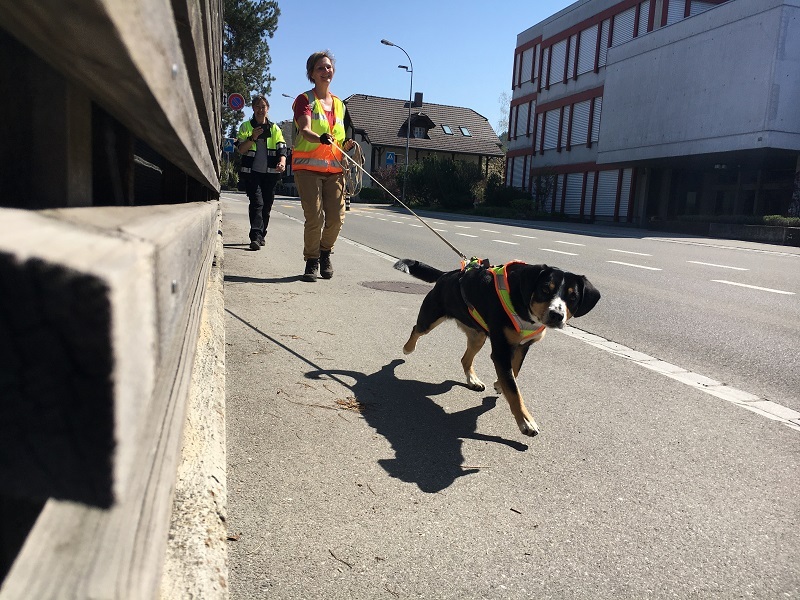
(436, 233)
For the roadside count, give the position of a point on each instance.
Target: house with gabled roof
(380, 126)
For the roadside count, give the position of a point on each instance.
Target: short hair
(257, 99)
(314, 58)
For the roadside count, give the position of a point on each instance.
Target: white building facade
(639, 110)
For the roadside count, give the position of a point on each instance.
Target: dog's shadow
(425, 438)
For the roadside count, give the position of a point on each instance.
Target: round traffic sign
(236, 101)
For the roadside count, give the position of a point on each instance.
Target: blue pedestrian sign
(390, 158)
(229, 145)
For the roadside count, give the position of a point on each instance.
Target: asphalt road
(357, 472)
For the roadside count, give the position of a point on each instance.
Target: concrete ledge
(784, 236)
(196, 564)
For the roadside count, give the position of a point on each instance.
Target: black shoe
(254, 245)
(261, 241)
(312, 265)
(325, 266)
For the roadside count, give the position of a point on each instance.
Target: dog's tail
(418, 270)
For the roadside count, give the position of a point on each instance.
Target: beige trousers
(322, 199)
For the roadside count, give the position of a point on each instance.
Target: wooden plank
(129, 57)
(117, 553)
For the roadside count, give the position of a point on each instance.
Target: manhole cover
(398, 286)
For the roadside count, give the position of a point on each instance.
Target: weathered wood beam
(130, 59)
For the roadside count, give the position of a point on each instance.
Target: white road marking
(401, 223)
(753, 287)
(506, 242)
(467, 235)
(490, 231)
(697, 262)
(558, 251)
(765, 408)
(629, 252)
(569, 243)
(440, 230)
(616, 262)
(415, 225)
(529, 237)
(464, 226)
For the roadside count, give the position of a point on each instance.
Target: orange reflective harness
(500, 275)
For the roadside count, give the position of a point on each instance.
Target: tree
(248, 24)
(505, 102)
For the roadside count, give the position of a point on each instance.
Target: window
(465, 131)
(447, 130)
(419, 133)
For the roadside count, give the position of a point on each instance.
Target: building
(380, 126)
(639, 110)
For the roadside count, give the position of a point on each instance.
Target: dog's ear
(588, 296)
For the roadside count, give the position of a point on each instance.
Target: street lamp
(410, 89)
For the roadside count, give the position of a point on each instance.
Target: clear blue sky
(462, 52)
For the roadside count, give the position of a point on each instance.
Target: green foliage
(449, 184)
(245, 52)
(781, 221)
(498, 194)
(371, 194)
(229, 176)
(387, 176)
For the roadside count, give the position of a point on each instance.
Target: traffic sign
(390, 158)
(236, 101)
(229, 145)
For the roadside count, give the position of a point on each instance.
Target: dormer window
(420, 133)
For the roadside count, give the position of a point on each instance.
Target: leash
(361, 168)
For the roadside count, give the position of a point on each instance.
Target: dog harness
(500, 275)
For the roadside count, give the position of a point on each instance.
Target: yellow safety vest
(276, 146)
(311, 156)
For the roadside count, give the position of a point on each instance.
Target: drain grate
(398, 286)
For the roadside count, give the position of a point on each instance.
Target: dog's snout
(555, 317)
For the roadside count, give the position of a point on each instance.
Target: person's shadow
(426, 440)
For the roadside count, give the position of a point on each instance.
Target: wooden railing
(110, 242)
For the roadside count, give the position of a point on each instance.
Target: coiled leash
(463, 256)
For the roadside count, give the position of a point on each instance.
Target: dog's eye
(572, 296)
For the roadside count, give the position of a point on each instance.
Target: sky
(462, 52)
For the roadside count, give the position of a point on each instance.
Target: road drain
(398, 286)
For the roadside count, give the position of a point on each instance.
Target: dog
(513, 305)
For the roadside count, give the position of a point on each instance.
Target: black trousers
(260, 189)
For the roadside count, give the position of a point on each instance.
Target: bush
(228, 177)
(371, 194)
(450, 184)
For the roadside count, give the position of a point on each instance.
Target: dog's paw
(475, 384)
(409, 348)
(498, 388)
(528, 427)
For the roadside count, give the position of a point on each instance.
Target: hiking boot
(325, 266)
(254, 245)
(261, 240)
(312, 265)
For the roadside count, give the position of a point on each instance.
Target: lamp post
(408, 124)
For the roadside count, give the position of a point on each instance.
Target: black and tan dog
(512, 305)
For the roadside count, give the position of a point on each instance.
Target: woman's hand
(348, 145)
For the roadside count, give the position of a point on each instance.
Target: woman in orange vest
(316, 163)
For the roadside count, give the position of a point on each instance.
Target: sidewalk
(355, 472)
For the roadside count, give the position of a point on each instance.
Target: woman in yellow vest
(319, 120)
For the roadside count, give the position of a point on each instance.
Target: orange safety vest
(310, 156)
